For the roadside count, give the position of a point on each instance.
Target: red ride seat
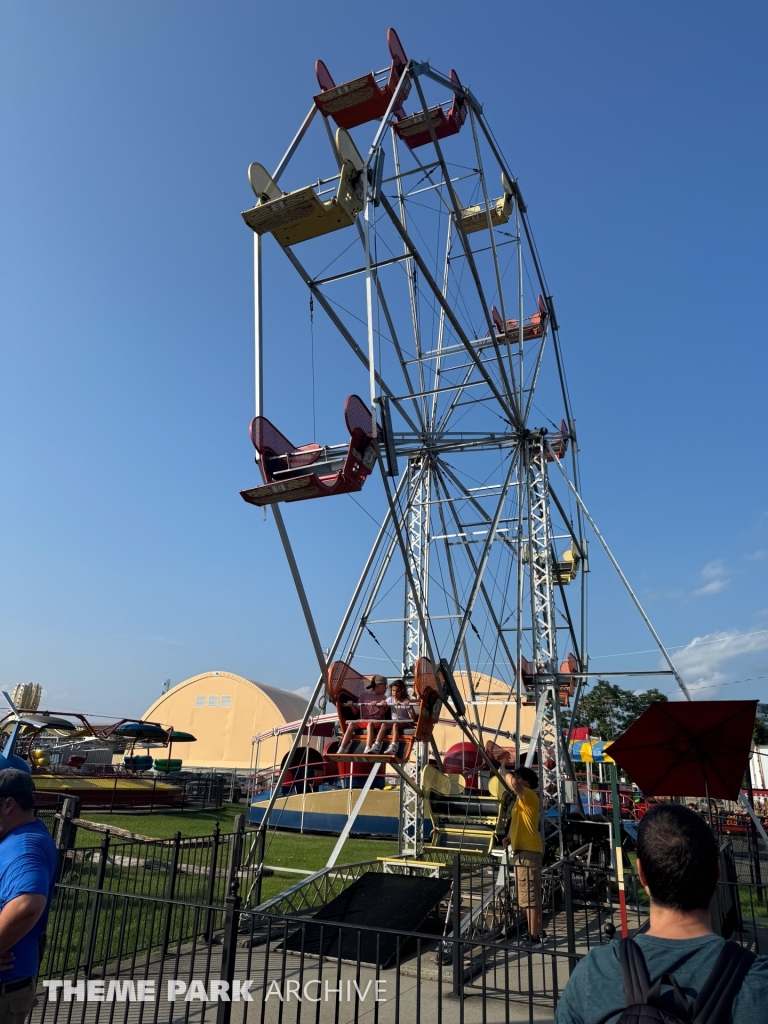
(533, 327)
(568, 669)
(559, 442)
(415, 130)
(297, 474)
(347, 688)
(528, 692)
(363, 99)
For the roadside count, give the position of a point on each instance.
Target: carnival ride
(37, 741)
(481, 560)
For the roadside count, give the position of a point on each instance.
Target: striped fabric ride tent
(588, 751)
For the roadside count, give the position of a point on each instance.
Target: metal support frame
(411, 834)
(444, 369)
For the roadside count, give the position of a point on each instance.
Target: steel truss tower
(411, 838)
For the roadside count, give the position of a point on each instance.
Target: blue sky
(637, 133)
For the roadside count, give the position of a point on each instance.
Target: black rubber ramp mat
(397, 902)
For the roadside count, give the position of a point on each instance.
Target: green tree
(609, 709)
(760, 733)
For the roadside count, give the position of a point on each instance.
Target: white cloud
(709, 661)
(304, 691)
(761, 555)
(715, 579)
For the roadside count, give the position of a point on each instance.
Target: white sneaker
(370, 750)
(375, 749)
(391, 749)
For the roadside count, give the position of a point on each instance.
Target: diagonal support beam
(623, 579)
(346, 335)
(470, 605)
(451, 316)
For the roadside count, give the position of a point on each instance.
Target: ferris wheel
(414, 240)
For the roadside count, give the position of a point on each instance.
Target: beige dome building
(224, 711)
(494, 709)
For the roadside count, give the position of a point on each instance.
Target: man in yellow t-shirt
(525, 841)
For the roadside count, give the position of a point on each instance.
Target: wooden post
(618, 852)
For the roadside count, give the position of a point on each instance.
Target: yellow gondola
(475, 218)
(294, 217)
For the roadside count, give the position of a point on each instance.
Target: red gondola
(533, 327)
(565, 680)
(559, 442)
(347, 689)
(415, 130)
(312, 471)
(363, 99)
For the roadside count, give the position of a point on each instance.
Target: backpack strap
(717, 994)
(634, 970)
(681, 1005)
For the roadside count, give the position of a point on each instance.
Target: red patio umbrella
(689, 748)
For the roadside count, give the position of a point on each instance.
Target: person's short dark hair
(527, 775)
(19, 785)
(678, 851)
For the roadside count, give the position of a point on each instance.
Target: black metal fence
(192, 869)
(278, 968)
(174, 931)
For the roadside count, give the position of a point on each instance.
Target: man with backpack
(679, 970)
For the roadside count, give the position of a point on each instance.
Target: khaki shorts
(528, 879)
(14, 1006)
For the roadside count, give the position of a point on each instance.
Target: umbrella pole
(618, 853)
(709, 801)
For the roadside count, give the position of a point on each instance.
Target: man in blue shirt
(28, 863)
(677, 861)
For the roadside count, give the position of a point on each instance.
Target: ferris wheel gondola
(312, 471)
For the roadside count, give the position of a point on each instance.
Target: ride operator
(525, 840)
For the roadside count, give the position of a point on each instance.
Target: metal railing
(291, 968)
(155, 792)
(480, 971)
(193, 869)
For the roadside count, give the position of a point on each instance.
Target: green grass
(164, 825)
(285, 849)
(307, 852)
(312, 852)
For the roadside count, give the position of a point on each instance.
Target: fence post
(618, 849)
(229, 951)
(93, 924)
(754, 848)
(456, 933)
(114, 790)
(570, 930)
(208, 934)
(66, 831)
(255, 889)
(236, 849)
(170, 890)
